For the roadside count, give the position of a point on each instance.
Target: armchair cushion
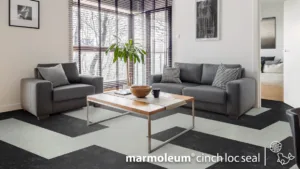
(95, 81)
(70, 69)
(73, 91)
(72, 72)
(55, 74)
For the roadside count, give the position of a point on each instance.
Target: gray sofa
(40, 98)
(197, 79)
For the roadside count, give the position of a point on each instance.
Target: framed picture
(268, 33)
(207, 19)
(24, 13)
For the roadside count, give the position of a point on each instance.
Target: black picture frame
(9, 16)
(208, 32)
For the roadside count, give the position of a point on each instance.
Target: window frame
(78, 48)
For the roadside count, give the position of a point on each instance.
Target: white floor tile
(257, 111)
(128, 135)
(40, 141)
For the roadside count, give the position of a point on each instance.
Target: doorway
(272, 47)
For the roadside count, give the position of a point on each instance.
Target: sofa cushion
(175, 88)
(210, 70)
(206, 93)
(209, 73)
(73, 91)
(190, 73)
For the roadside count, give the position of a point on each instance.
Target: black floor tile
(93, 157)
(59, 123)
(215, 145)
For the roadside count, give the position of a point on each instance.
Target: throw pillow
(225, 75)
(275, 68)
(264, 59)
(273, 62)
(171, 75)
(55, 74)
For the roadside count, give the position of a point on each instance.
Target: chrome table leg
(172, 138)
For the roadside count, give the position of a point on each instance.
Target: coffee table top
(133, 105)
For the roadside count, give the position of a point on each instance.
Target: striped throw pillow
(225, 75)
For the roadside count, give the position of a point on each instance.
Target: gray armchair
(40, 98)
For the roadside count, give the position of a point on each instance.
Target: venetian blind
(95, 24)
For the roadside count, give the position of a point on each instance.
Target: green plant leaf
(141, 55)
(143, 59)
(127, 51)
(120, 54)
(144, 52)
(115, 59)
(137, 57)
(110, 48)
(131, 57)
(116, 54)
(141, 51)
(126, 58)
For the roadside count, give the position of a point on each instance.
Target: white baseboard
(10, 107)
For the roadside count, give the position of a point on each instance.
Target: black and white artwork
(268, 33)
(24, 13)
(207, 19)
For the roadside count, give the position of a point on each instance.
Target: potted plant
(127, 52)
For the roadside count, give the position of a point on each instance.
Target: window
(95, 25)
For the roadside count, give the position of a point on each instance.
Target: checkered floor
(64, 141)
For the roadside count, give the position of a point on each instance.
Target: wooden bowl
(140, 91)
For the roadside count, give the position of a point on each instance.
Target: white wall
(237, 35)
(237, 44)
(291, 57)
(239, 29)
(22, 49)
(274, 9)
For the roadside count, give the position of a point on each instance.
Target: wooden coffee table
(137, 107)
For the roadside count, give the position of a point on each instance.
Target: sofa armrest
(95, 81)
(36, 96)
(241, 96)
(154, 79)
